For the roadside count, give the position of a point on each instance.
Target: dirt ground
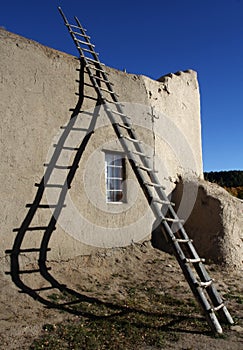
(130, 278)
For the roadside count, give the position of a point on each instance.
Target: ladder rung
(153, 184)
(194, 261)
(74, 26)
(140, 154)
(130, 139)
(160, 201)
(97, 69)
(205, 284)
(173, 220)
(90, 51)
(124, 126)
(183, 240)
(94, 61)
(110, 91)
(81, 41)
(83, 35)
(113, 102)
(118, 113)
(103, 80)
(140, 166)
(216, 308)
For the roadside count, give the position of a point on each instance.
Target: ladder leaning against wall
(191, 264)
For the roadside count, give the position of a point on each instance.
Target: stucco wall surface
(50, 125)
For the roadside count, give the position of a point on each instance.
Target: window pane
(118, 184)
(114, 196)
(118, 196)
(117, 161)
(114, 172)
(109, 171)
(114, 184)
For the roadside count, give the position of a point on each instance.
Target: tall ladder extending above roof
(191, 264)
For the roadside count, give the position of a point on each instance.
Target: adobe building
(56, 147)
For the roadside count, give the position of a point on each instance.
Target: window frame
(114, 177)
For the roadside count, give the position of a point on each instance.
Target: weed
(48, 327)
(54, 297)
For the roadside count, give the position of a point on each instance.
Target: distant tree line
(231, 180)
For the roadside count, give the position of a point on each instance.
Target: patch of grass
(146, 319)
(131, 291)
(236, 297)
(192, 302)
(219, 336)
(54, 297)
(118, 333)
(48, 327)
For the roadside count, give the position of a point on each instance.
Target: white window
(114, 177)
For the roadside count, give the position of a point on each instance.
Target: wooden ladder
(191, 264)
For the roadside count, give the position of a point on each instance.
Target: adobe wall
(39, 90)
(214, 222)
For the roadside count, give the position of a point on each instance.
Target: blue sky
(154, 38)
